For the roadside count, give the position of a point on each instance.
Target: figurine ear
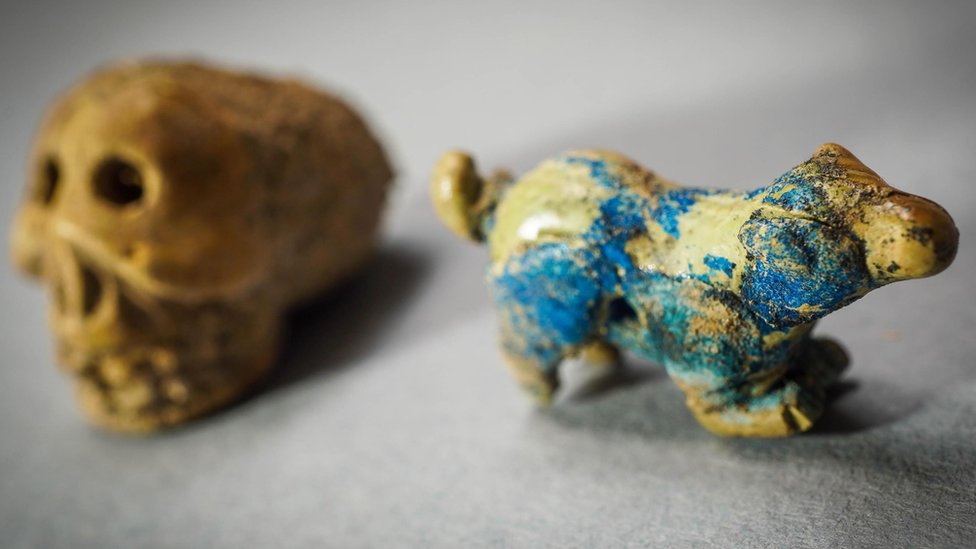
(799, 270)
(853, 170)
(833, 150)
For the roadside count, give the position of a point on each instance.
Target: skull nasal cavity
(91, 291)
(48, 179)
(118, 182)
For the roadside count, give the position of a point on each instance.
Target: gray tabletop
(391, 420)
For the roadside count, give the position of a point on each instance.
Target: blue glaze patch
(732, 349)
(621, 213)
(720, 264)
(792, 191)
(672, 205)
(802, 269)
(598, 171)
(548, 294)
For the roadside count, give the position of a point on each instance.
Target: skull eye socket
(48, 179)
(118, 182)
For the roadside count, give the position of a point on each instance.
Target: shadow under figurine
(175, 212)
(591, 253)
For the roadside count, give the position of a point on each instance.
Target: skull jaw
(133, 397)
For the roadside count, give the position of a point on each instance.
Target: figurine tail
(464, 200)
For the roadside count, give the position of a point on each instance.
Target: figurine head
(172, 230)
(829, 231)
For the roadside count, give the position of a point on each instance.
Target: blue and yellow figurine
(590, 253)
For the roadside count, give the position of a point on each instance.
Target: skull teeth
(134, 395)
(115, 371)
(176, 391)
(143, 384)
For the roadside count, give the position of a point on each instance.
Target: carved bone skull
(175, 212)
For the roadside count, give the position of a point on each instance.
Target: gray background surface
(391, 421)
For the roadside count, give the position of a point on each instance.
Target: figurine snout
(909, 237)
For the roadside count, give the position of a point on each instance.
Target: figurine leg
(601, 354)
(776, 402)
(786, 409)
(821, 362)
(545, 299)
(537, 373)
(534, 352)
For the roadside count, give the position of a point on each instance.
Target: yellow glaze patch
(556, 201)
(710, 227)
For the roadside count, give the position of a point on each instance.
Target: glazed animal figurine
(591, 253)
(175, 212)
